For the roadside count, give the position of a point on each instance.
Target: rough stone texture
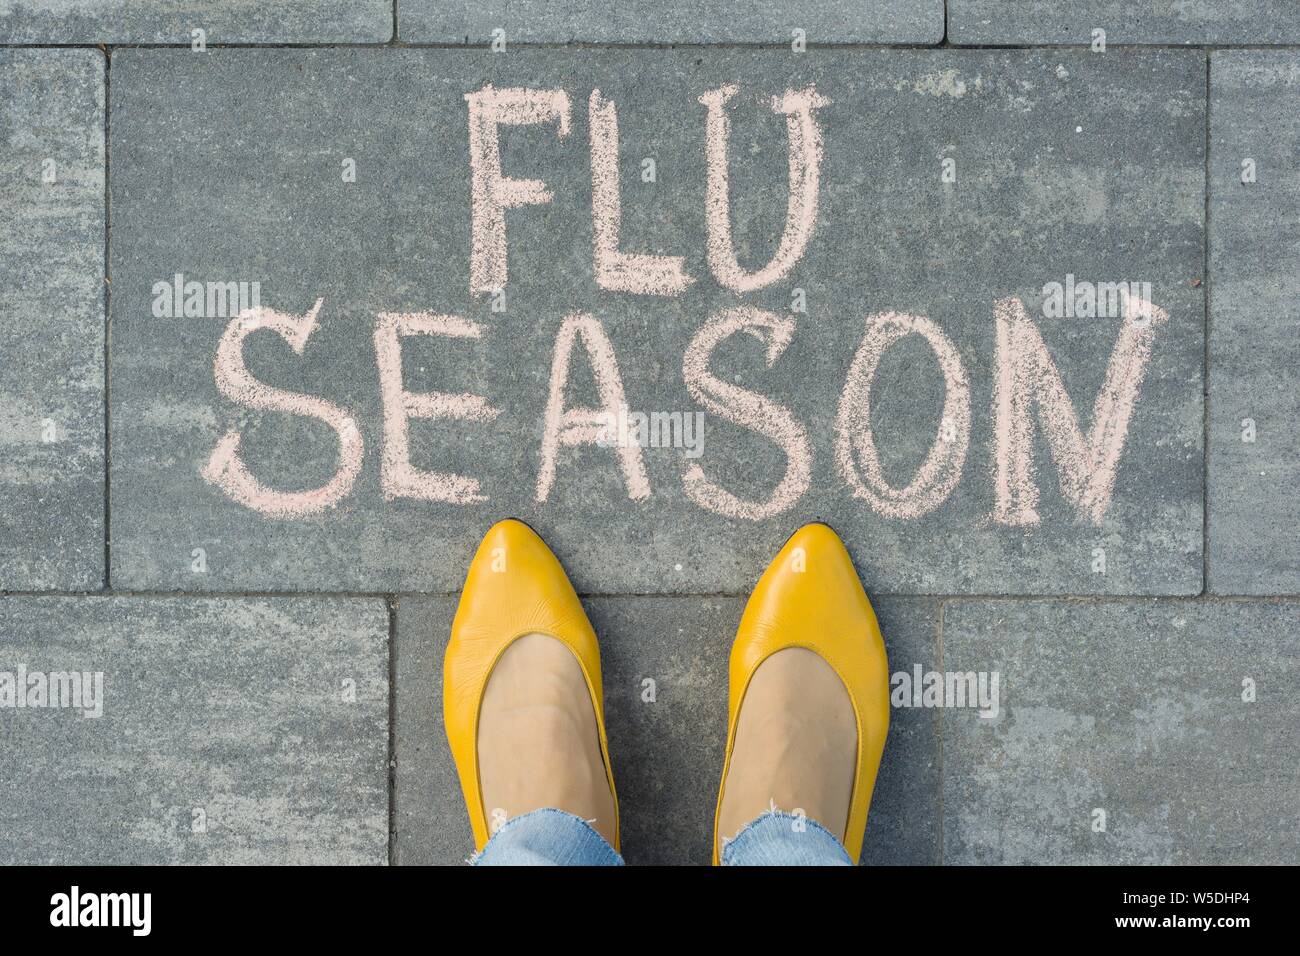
(671, 21)
(235, 707)
(1134, 708)
(1254, 512)
(1068, 163)
(171, 21)
(667, 754)
(1125, 21)
(51, 319)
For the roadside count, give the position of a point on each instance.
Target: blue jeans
(556, 838)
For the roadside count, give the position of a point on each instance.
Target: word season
(1026, 379)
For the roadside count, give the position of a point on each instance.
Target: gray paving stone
(1073, 21)
(1135, 709)
(1067, 164)
(51, 319)
(230, 731)
(667, 753)
(1254, 402)
(671, 21)
(172, 21)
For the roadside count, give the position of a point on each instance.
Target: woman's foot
(522, 697)
(796, 745)
(538, 743)
(808, 708)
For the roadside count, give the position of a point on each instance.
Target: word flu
(1027, 387)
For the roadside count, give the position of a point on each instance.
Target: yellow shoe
(810, 597)
(515, 586)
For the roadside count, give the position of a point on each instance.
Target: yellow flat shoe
(515, 586)
(810, 597)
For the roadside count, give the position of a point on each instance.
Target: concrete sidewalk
(1027, 335)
